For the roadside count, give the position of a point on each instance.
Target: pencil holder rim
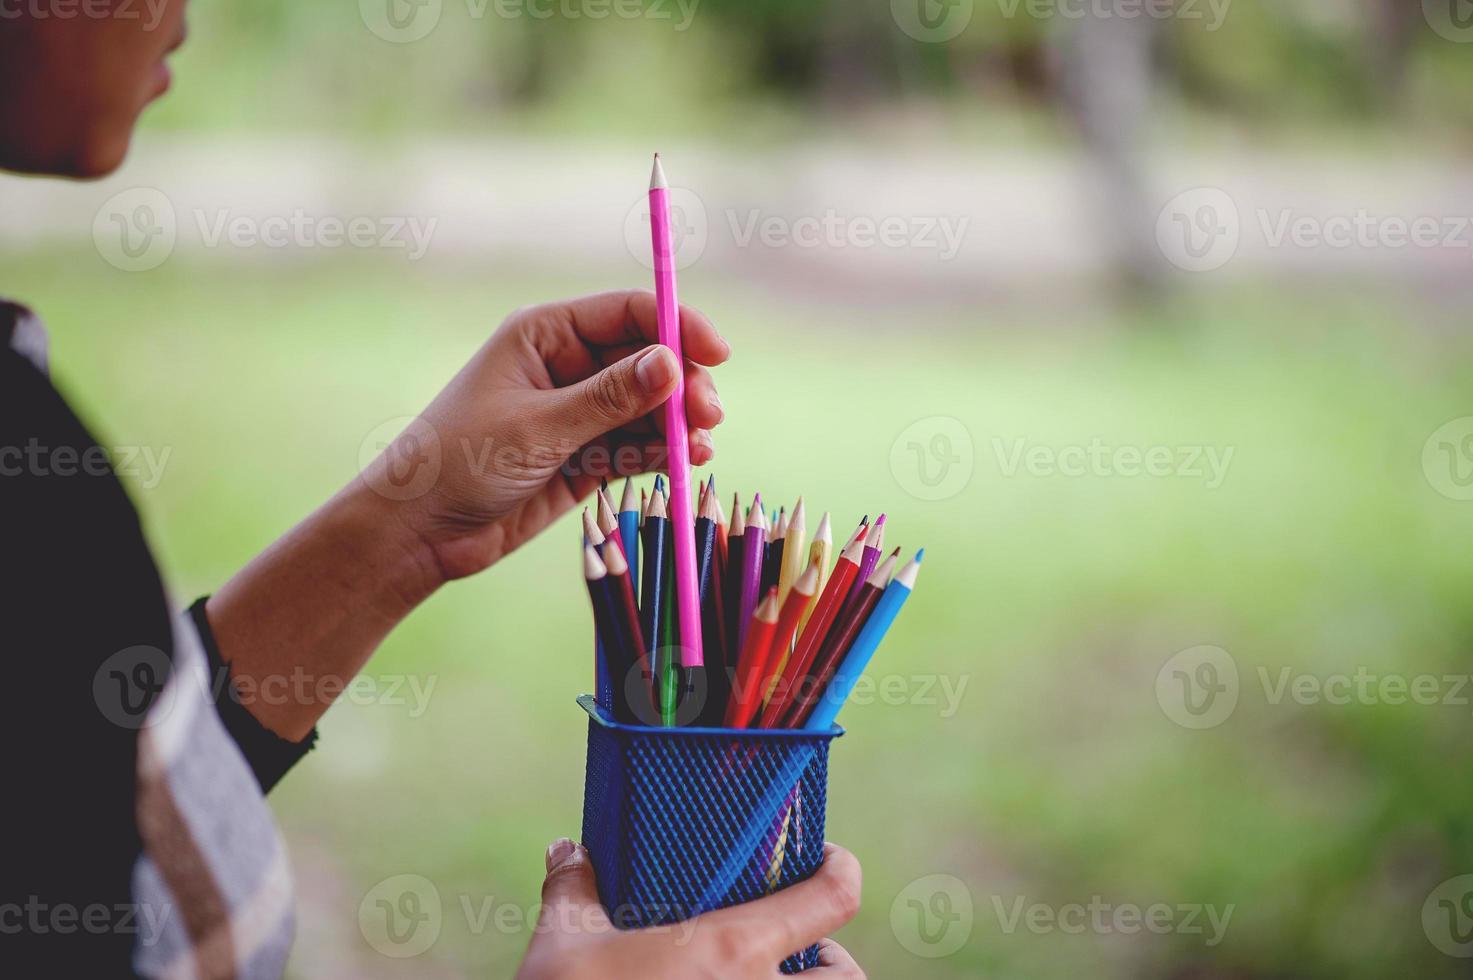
(600, 714)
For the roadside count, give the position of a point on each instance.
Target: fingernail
(716, 404)
(559, 851)
(655, 368)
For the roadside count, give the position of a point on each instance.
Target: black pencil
(712, 686)
(652, 611)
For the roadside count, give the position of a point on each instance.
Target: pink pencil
(677, 437)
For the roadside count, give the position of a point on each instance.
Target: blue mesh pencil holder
(680, 821)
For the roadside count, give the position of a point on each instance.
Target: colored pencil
(602, 677)
(652, 612)
(732, 582)
(596, 577)
(821, 550)
(795, 554)
(721, 528)
(712, 688)
(840, 639)
(811, 639)
(827, 708)
(677, 435)
(799, 602)
(608, 522)
(667, 664)
(874, 546)
(754, 548)
(628, 664)
(772, 559)
(629, 528)
(751, 668)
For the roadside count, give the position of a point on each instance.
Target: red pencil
(840, 639)
(751, 671)
(818, 627)
(798, 603)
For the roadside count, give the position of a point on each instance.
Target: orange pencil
(833, 597)
(753, 665)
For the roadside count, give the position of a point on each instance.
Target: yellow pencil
(820, 551)
(794, 555)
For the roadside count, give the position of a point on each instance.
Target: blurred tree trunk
(1392, 27)
(1106, 77)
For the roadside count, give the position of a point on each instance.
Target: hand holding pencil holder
(680, 821)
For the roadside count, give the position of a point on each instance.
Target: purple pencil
(874, 545)
(754, 546)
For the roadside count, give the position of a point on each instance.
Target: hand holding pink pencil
(677, 437)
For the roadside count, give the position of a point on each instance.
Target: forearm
(303, 617)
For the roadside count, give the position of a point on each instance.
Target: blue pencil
(629, 528)
(839, 689)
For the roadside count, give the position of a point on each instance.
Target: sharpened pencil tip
(657, 175)
(920, 554)
(659, 483)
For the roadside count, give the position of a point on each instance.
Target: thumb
(569, 892)
(615, 396)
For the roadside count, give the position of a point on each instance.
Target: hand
(510, 442)
(561, 396)
(574, 938)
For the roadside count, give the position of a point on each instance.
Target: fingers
(796, 917)
(628, 316)
(612, 398)
(834, 961)
(569, 892)
(702, 405)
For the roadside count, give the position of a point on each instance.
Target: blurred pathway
(964, 224)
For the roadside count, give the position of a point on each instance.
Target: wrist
(381, 535)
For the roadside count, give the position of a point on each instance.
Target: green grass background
(1054, 599)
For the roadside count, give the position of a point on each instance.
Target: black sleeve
(268, 754)
(86, 637)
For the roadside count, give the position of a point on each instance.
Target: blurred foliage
(1057, 600)
(279, 63)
